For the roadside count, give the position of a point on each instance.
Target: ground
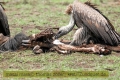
(28, 17)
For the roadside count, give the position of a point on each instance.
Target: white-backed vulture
(4, 26)
(92, 25)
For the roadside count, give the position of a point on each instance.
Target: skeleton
(44, 40)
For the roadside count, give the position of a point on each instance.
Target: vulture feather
(4, 26)
(87, 15)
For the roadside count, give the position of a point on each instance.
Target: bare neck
(71, 24)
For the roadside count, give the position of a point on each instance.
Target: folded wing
(98, 24)
(4, 26)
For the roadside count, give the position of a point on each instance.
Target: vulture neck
(71, 24)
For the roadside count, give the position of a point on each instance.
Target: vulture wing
(4, 26)
(94, 20)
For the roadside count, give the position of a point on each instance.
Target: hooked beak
(58, 35)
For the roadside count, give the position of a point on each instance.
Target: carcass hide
(44, 42)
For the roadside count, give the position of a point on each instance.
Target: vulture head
(66, 29)
(62, 31)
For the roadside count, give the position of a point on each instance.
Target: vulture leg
(82, 36)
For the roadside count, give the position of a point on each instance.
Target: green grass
(50, 13)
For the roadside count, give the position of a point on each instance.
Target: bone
(45, 39)
(57, 42)
(26, 41)
(27, 45)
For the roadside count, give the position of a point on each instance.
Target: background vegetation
(33, 14)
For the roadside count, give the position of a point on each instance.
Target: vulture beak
(55, 37)
(58, 35)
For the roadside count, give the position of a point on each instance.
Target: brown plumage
(4, 26)
(92, 24)
(69, 9)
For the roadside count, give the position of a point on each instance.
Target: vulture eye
(59, 32)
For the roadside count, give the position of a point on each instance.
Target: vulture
(92, 25)
(4, 26)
